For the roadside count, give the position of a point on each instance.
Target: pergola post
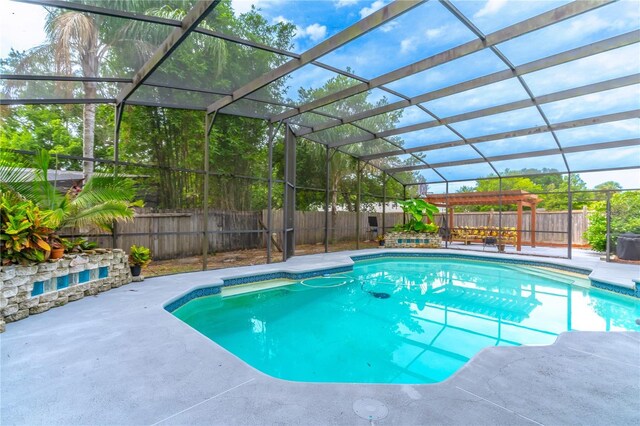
(289, 205)
(569, 217)
(208, 125)
(519, 227)
(327, 199)
(448, 210)
(500, 211)
(533, 224)
(359, 189)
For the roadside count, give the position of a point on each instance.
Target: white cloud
(366, 11)
(243, 6)
(280, 20)
(490, 8)
(344, 3)
(389, 27)
(433, 32)
(408, 45)
(316, 31)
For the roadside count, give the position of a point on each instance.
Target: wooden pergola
(518, 197)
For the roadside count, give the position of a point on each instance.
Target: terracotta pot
(56, 253)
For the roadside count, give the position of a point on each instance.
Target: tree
(83, 43)
(609, 185)
(624, 218)
(552, 187)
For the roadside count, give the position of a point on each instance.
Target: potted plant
(416, 233)
(380, 239)
(57, 247)
(139, 257)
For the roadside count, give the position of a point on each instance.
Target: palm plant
(102, 200)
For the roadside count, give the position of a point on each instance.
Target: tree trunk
(88, 130)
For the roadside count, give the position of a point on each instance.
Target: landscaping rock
(43, 307)
(20, 314)
(26, 270)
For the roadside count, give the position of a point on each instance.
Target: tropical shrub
(625, 217)
(102, 200)
(78, 245)
(139, 255)
(417, 210)
(25, 229)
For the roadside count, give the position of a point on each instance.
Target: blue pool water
(402, 320)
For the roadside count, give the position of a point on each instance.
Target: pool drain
(370, 409)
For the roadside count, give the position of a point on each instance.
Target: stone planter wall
(412, 240)
(28, 290)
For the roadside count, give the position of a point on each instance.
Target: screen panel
(536, 142)
(506, 121)
(607, 102)
(612, 64)
(422, 32)
(468, 67)
(605, 132)
(607, 21)
(531, 165)
(474, 171)
(604, 158)
(118, 46)
(482, 97)
(430, 136)
(492, 16)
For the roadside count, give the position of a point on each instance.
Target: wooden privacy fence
(178, 233)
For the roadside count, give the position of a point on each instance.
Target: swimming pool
(401, 320)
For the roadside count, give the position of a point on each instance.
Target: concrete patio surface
(120, 358)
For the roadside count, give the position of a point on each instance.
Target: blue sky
(429, 29)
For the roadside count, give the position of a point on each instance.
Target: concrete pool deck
(120, 358)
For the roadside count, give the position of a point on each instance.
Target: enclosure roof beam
(511, 106)
(543, 20)
(190, 22)
(555, 151)
(24, 77)
(356, 30)
(550, 61)
(608, 118)
(54, 101)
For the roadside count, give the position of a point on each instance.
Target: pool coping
(121, 358)
(298, 268)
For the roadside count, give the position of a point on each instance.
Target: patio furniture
(518, 197)
(628, 246)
